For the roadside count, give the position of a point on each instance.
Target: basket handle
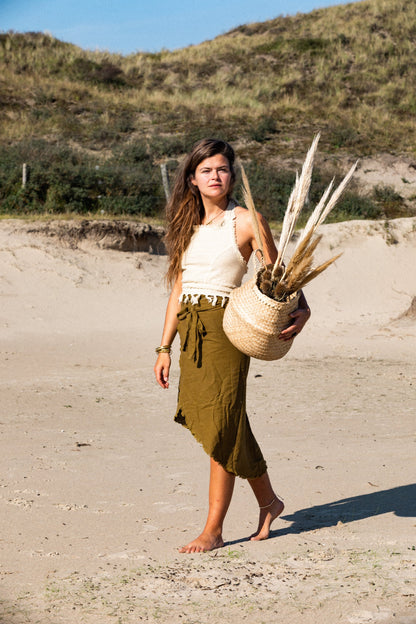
(260, 256)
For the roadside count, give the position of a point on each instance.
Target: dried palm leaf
(321, 211)
(284, 235)
(337, 193)
(288, 286)
(306, 246)
(298, 276)
(314, 218)
(279, 282)
(296, 203)
(248, 199)
(302, 267)
(317, 271)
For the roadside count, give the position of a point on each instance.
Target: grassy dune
(267, 87)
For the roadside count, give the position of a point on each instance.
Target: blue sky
(128, 26)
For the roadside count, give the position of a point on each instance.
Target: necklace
(213, 218)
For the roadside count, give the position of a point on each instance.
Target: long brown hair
(185, 208)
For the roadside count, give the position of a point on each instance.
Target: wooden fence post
(165, 180)
(25, 174)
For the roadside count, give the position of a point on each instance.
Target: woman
(210, 240)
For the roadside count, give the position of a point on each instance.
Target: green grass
(266, 87)
(345, 69)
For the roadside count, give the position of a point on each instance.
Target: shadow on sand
(400, 500)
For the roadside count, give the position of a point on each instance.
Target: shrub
(390, 203)
(85, 69)
(263, 129)
(354, 206)
(62, 180)
(132, 153)
(129, 182)
(343, 136)
(164, 146)
(270, 189)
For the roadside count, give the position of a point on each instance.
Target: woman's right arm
(162, 365)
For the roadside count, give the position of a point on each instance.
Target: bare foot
(267, 515)
(203, 543)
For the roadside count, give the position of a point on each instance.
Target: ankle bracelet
(269, 505)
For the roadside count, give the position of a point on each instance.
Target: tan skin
(213, 177)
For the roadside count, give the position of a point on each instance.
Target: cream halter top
(212, 264)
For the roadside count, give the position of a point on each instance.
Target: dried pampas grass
(277, 281)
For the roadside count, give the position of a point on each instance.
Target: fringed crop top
(212, 264)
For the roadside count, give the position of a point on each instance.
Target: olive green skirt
(212, 390)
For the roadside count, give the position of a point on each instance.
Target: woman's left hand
(300, 316)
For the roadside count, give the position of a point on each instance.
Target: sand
(99, 486)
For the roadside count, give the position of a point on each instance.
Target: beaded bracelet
(163, 349)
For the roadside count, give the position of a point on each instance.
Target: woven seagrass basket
(252, 321)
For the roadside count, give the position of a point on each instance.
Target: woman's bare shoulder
(239, 210)
(243, 215)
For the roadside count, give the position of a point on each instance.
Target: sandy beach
(99, 487)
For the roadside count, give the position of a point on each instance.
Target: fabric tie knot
(195, 332)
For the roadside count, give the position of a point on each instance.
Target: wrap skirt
(212, 390)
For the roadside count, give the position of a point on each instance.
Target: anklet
(269, 505)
